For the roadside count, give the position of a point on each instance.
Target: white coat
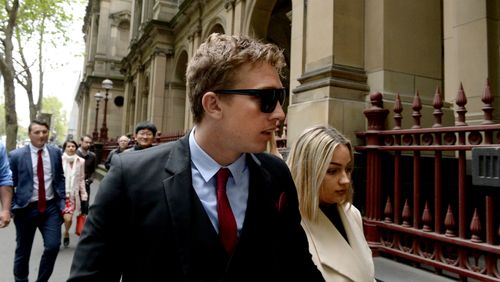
(335, 258)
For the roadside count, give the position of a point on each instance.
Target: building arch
(271, 21)
(180, 67)
(216, 25)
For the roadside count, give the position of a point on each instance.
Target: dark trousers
(27, 220)
(87, 187)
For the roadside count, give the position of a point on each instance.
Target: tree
(37, 22)
(8, 20)
(59, 125)
(42, 23)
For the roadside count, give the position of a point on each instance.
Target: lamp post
(106, 84)
(98, 96)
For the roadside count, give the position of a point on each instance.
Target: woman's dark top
(333, 215)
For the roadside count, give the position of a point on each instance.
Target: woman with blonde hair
(321, 163)
(74, 172)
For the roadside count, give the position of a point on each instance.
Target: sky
(62, 73)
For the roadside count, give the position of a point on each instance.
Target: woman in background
(321, 163)
(74, 172)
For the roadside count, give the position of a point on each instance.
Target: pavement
(64, 258)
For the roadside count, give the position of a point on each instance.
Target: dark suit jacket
(148, 224)
(22, 175)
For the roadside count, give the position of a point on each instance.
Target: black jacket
(148, 224)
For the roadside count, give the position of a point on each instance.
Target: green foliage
(59, 124)
(36, 25)
(40, 16)
(44, 16)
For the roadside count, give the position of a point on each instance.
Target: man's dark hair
(86, 135)
(39, 122)
(146, 125)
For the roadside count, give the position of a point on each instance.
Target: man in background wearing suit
(38, 200)
(90, 163)
(163, 214)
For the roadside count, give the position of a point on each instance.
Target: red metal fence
(417, 187)
(411, 214)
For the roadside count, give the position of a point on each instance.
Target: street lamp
(106, 84)
(98, 97)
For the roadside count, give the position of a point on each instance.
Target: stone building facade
(106, 31)
(338, 52)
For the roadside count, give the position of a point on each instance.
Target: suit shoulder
(147, 154)
(17, 152)
(271, 162)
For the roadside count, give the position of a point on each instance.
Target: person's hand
(84, 207)
(4, 218)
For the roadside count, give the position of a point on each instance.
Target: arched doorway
(271, 21)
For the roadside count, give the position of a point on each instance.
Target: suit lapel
(194, 231)
(259, 204)
(27, 158)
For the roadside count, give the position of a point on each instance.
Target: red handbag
(80, 222)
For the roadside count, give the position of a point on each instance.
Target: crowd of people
(220, 204)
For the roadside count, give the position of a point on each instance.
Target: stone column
(157, 87)
(327, 61)
(403, 53)
(471, 45)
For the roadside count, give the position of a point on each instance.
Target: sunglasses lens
(271, 99)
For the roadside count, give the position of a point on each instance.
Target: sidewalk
(64, 258)
(387, 270)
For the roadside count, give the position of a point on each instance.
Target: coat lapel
(332, 249)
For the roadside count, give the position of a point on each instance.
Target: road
(63, 262)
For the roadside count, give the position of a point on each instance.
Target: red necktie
(41, 183)
(227, 223)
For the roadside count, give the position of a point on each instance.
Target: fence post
(375, 115)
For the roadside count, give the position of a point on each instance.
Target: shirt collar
(208, 167)
(34, 149)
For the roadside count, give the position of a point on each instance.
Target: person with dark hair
(211, 206)
(122, 147)
(38, 200)
(74, 172)
(145, 133)
(90, 161)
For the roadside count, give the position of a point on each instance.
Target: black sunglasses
(269, 98)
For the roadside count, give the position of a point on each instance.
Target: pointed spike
(398, 108)
(438, 105)
(461, 100)
(475, 228)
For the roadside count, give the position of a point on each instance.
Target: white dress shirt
(203, 170)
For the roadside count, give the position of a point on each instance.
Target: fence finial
(487, 99)
(438, 105)
(398, 109)
(376, 114)
(461, 100)
(416, 106)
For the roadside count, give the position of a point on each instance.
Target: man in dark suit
(90, 161)
(162, 214)
(38, 200)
